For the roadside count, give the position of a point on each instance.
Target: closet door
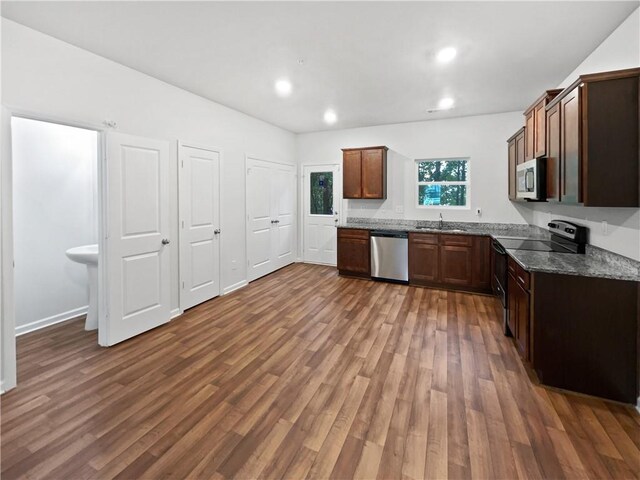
(199, 180)
(271, 203)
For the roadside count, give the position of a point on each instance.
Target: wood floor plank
(305, 374)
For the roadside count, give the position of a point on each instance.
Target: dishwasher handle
(389, 234)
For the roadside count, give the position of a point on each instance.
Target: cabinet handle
(521, 280)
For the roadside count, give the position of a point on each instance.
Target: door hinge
(183, 224)
(182, 163)
(183, 285)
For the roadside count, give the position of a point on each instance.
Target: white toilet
(88, 255)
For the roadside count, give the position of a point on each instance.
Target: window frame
(418, 183)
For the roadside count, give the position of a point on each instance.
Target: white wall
(49, 77)
(483, 139)
(55, 188)
(618, 51)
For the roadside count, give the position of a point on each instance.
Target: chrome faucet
(441, 224)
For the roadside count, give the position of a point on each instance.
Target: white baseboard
(234, 287)
(176, 312)
(46, 322)
(319, 263)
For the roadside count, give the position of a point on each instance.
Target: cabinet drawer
(353, 233)
(464, 240)
(519, 274)
(428, 238)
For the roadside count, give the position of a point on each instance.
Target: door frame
(7, 299)
(248, 157)
(181, 145)
(337, 181)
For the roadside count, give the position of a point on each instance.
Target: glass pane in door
(321, 193)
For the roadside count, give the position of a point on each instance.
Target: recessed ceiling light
(330, 116)
(446, 54)
(445, 103)
(283, 87)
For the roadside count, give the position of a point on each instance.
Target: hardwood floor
(306, 374)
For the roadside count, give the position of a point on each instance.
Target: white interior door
(283, 185)
(321, 198)
(137, 248)
(271, 203)
(199, 181)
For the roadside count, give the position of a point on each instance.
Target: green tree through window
(443, 183)
(321, 193)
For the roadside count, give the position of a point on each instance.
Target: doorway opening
(56, 222)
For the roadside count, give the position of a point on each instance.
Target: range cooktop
(536, 245)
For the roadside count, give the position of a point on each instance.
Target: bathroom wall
(55, 208)
(621, 233)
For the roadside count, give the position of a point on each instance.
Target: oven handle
(498, 248)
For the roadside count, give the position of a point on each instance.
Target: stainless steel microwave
(530, 180)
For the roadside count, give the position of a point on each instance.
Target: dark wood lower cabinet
(354, 255)
(460, 262)
(519, 318)
(519, 307)
(424, 258)
(585, 334)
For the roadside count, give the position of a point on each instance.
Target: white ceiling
(372, 62)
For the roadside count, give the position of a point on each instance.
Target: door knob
(216, 232)
(165, 241)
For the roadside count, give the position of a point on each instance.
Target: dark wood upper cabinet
(512, 143)
(597, 124)
(352, 176)
(570, 147)
(535, 125)
(554, 174)
(364, 173)
(354, 252)
(520, 146)
(529, 139)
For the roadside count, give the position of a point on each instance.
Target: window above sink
(443, 183)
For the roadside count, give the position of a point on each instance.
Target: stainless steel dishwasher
(390, 255)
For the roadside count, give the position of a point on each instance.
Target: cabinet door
(553, 153)
(354, 252)
(424, 261)
(481, 263)
(455, 264)
(529, 134)
(520, 148)
(512, 169)
(522, 327)
(352, 174)
(512, 304)
(570, 191)
(540, 127)
(373, 173)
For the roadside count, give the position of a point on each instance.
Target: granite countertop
(596, 262)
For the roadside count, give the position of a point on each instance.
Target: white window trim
(445, 207)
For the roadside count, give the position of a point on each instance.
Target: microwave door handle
(528, 180)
